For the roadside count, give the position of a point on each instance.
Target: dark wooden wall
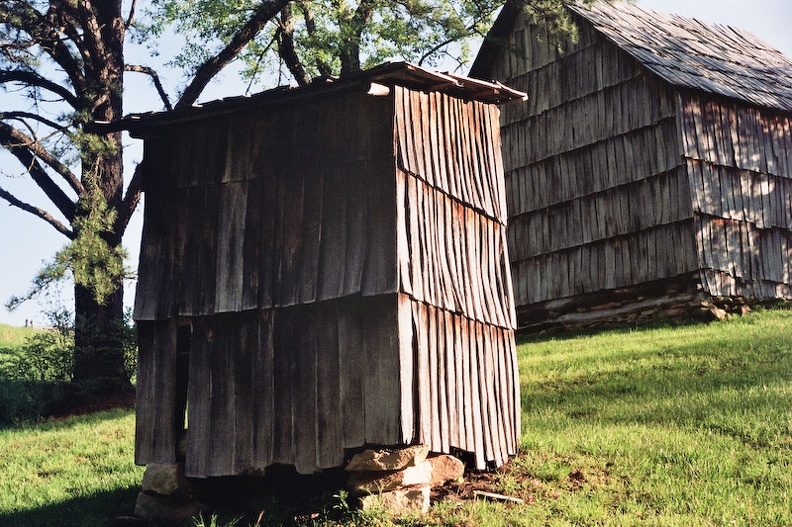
(341, 267)
(739, 161)
(598, 196)
(234, 209)
(617, 181)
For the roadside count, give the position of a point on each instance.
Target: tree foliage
(62, 66)
(312, 38)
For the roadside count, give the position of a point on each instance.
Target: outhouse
(649, 172)
(324, 268)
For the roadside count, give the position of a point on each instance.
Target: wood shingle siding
(334, 262)
(653, 158)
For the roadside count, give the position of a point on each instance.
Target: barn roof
(684, 52)
(393, 73)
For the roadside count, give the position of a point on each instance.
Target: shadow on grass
(97, 510)
(16, 411)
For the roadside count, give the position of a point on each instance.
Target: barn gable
(645, 168)
(326, 268)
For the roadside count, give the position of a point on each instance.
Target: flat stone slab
(376, 482)
(387, 460)
(154, 507)
(399, 501)
(445, 468)
(163, 478)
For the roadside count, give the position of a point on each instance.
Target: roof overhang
(377, 81)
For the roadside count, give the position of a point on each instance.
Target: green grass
(663, 426)
(75, 472)
(669, 426)
(12, 337)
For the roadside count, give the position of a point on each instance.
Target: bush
(36, 379)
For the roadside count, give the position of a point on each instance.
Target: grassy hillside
(11, 337)
(669, 426)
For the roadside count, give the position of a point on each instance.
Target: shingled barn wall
(628, 195)
(323, 271)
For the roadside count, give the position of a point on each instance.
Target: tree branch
(26, 150)
(34, 79)
(310, 27)
(44, 215)
(350, 55)
(46, 32)
(155, 79)
(206, 72)
(92, 36)
(36, 117)
(286, 48)
(131, 18)
(131, 200)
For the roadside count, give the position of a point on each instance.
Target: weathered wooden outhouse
(324, 268)
(650, 169)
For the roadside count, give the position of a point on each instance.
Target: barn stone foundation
(676, 299)
(400, 479)
(397, 479)
(166, 494)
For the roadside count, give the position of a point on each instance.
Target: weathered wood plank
(285, 338)
(433, 385)
(414, 218)
(304, 388)
(407, 367)
(333, 234)
(199, 398)
(351, 374)
(476, 393)
(357, 219)
(313, 210)
(243, 343)
(423, 377)
(329, 426)
(222, 387)
(382, 397)
(402, 234)
(231, 224)
(262, 372)
(292, 224)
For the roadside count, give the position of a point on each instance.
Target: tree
(67, 58)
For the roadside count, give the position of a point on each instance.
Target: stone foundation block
(382, 460)
(374, 482)
(399, 501)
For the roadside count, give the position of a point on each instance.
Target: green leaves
(94, 263)
(366, 32)
(90, 259)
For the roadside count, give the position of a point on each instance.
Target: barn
(649, 173)
(324, 268)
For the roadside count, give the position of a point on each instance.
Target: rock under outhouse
(324, 268)
(650, 170)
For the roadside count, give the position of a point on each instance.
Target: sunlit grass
(78, 471)
(12, 337)
(663, 426)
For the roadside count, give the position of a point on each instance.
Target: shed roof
(684, 52)
(389, 74)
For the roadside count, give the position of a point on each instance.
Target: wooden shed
(650, 170)
(324, 268)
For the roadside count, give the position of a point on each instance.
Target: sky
(26, 242)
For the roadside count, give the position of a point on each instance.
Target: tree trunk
(100, 329)
(99, 338)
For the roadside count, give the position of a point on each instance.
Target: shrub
(36, 379)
